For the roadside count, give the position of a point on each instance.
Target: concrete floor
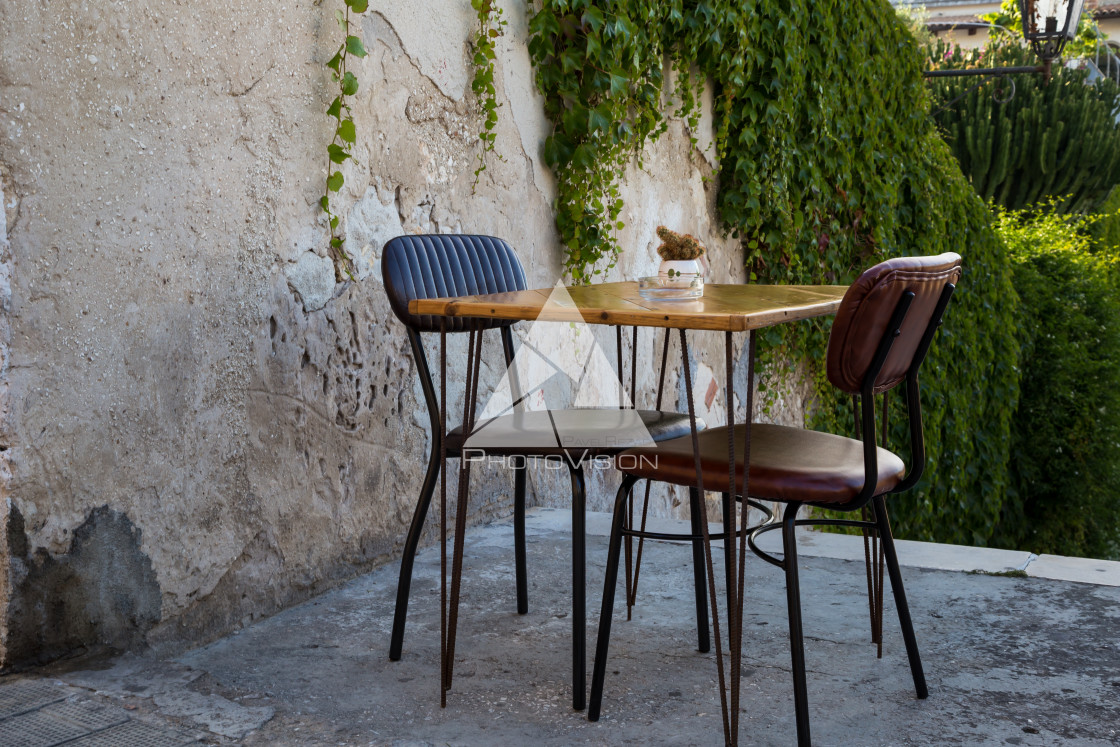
(1009, 660)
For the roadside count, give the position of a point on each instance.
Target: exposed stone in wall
(181, 377)
(312, 279)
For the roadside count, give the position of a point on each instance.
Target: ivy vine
(600, 71)
(828, 162)
(491, 26)
(345, 134)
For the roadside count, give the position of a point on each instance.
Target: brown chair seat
(787, 464)
(584, 431)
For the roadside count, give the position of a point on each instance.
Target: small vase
(681, 269)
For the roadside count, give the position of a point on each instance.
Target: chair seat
(787, 464)
(583, 431)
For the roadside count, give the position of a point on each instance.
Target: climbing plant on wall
(828, 163)
(491, 26)
(345, 134)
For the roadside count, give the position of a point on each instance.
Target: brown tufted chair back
(867, 311)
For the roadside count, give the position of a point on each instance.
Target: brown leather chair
(879, 339)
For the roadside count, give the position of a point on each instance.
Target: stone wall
(199, 426)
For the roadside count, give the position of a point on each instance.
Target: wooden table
(723, 308)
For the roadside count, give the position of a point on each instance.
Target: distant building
(960, 20)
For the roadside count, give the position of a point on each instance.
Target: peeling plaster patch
(369, 225)
(705, 131)
(376, 28)
(9, 205)
(436, 41)
(103, 591)
(525, 102)
(312, 277)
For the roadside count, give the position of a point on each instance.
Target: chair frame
(427, 490)
(789, 521)
(437, 461)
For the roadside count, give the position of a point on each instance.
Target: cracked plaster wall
(173, 349)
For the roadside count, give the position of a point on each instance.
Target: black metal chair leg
(610, 581)
(700, 575)
(728, 528)
(900, 597)
(579, 590)
(518, 488)
(457, 573)
(412, 541)
(519, 540)
(796, 639)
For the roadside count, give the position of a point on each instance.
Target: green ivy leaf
(619, 84)
(593, 17)
(584, 157)
(544, 25)
(599, 119)
(336, 63)
(346, 131)
(336, 153)
(334, 182)
(325, 203)
(355, 47)
(349, 84)
(358, 6)
(335, 109)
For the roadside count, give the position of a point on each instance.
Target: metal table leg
(735, 570)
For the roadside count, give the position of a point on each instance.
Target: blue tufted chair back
(447, 265)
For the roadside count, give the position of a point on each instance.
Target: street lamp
(1047, 26)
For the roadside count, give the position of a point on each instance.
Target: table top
(723, 307)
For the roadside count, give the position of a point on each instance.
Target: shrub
(1023, 139)
(1065, 457)
(1105, 229)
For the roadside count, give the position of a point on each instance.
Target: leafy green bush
(829, 162)
(1065, 459)
(1105, 228)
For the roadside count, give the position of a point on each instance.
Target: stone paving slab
(1103, 572)
(930, 555)
(173, 689)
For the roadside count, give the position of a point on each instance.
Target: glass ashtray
(662, 288)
